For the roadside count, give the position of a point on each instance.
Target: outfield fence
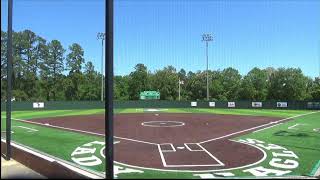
(65, 105)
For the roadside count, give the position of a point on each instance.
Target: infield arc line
(197, 143)
(203, 171)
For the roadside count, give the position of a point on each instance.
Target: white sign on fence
(231, 104)
(38, 105)
(256, 104)
(212, 104)
(193, 104)
(282, 104)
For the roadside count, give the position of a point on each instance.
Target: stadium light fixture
(207, 38)
(102, 37)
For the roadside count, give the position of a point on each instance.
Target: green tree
(254, 85)
(215, 86)
(288, 84)
(231, 80)
(196, 85)
(52, 66)
(121, 86)
(75, 60)
(315, 89)
(139, 80)
(166, 82)
(90, 89)
(3, 65)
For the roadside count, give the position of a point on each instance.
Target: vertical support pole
(179, 88)
(109, 89)
(9, 79)
(102, 70)
(207, 72)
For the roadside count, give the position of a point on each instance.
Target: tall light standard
(319, 57)
(207, 38)
(102, 37)
(180, 82)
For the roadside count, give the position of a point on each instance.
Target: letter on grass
(271, 146)
(120, 170)
(87, 161)
(83, 150)
(261, 171)
(287, 164)
(285, 154)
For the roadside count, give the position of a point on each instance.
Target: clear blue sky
(157, 33)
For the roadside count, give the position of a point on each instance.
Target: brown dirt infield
(175, 141)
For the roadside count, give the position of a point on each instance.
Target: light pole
(319, 58)
(207, 38)
(102, 37)
(180, 82)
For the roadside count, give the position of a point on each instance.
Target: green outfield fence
(65, 105)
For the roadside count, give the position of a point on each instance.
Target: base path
(175, 141)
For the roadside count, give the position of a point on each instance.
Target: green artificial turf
(60, 143)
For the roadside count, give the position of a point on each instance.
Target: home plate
(157, 114)
(180, 147)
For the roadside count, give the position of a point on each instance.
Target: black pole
(9, 79)
(109, 88)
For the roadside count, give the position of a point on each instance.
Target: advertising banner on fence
(282, 104)
(38, 105)
(193, 104)
(256, 104)
(212, 104)
(231, 104)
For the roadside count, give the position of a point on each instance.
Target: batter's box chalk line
(165, 155)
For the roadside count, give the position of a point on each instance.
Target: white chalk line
(173, 149)
(81, 131)
(164, 163)
(30, 129)
(161, 155)
(202, 171)
(266, 128)
(274, 122)
(55, 159)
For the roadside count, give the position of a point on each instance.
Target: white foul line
(136, 140)
(30, 129)
(55, 159)
(77, 130)
(266, 128)
(258, 127)
(58, 127)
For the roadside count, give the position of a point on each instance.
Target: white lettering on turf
(122, 170)
(287, 164)
(261, 171)
(85, 154)
(83, 150)
(285, 154)
(88, 161)
(276, 162)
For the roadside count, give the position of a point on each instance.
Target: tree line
(46, 71)
(227, 84)
(43, 70)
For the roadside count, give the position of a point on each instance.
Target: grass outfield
(302, 140)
